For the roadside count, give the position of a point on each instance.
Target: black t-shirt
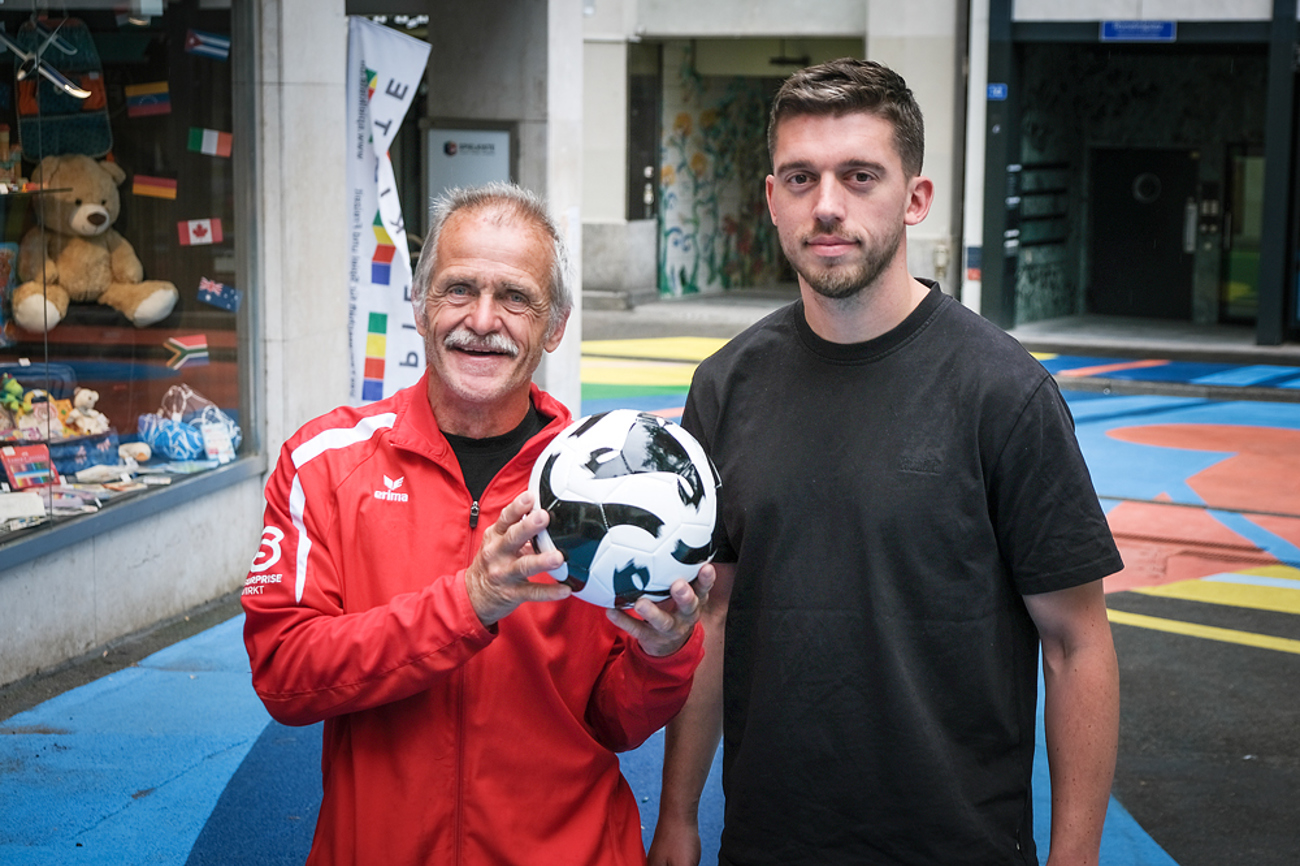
(481, 459)
(887, 504)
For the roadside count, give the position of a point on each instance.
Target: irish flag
(209, 141)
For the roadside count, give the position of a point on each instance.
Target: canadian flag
(195, 232)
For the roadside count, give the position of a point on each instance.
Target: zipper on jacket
(473, 515)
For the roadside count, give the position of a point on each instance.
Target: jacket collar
(416, 429)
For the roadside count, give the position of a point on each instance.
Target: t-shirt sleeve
(699, 418)
(1050, 525)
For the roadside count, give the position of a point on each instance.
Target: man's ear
(553, 339)
(920, 197)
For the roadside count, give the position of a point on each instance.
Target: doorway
(1143, 233)
(1243, 217)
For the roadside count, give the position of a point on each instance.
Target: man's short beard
(839, 285)
(462, 338)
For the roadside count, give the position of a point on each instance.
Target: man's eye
(798, 179)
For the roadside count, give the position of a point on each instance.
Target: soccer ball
(633, 499)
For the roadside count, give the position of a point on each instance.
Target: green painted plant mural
(716, 233)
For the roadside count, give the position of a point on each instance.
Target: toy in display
(75, 255)
(632, 499)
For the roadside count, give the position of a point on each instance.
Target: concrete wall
(919, 40)
(687, 18)
(303, 300)
(620, 256)
(1142, 10)
(524, 69)
(62, 605)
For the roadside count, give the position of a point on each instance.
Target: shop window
(125, 324)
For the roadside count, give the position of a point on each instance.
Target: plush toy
(84, 419)
(84, 258)
(11, 393)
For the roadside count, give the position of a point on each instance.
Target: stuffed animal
(85, 259)
(83, 418)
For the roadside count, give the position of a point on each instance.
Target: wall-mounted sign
(997, 93)
(465, 157)
(1139, 31)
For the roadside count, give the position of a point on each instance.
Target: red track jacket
(445, 742)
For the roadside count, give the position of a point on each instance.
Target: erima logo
(391, 494)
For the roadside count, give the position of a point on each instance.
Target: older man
(472, 713)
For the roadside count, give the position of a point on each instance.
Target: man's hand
(497, 579)
(664, 627)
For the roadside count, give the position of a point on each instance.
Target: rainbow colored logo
(372, 382)
(381, 263)
(372, 81)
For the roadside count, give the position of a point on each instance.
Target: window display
(121, 367)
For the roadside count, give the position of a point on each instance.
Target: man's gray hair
(508, 202)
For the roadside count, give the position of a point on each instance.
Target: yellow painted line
(693, 349)
(1284, 571)
(1230, 594)
(614, 371)
(1189, 629)
(1045, 356)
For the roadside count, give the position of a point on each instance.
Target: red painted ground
(1167, 543)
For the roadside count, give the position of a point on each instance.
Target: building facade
(226, 123)
(1133, 159)
(677, 97)
(1129, 158)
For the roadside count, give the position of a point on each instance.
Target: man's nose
(484, 315)
(829, 204)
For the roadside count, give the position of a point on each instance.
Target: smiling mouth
(482, 346)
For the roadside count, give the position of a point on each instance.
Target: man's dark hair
(847, 86)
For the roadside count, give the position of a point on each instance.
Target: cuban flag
(212, 45)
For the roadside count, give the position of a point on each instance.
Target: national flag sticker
(154, 187)
(213, 45)
(192, 350)
(197, 232)
(219, 294)
(210, 141)
(146, 100)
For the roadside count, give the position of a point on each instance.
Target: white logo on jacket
(391, 494)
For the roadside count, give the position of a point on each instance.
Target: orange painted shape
(1099, 369)
(1167, 543)
(1262, 473)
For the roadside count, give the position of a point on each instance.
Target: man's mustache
(468, 341)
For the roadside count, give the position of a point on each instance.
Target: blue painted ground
(176, 762)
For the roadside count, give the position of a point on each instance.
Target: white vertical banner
(384, 71)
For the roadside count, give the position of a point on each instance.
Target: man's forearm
(1081, 718)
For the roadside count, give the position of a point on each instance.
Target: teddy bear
(84, 258)
(83, 419)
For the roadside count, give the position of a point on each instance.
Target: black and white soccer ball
(633, 499)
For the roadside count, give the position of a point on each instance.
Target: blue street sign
(1139, 31)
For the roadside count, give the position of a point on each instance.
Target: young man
(905, 517)
(472, 714)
